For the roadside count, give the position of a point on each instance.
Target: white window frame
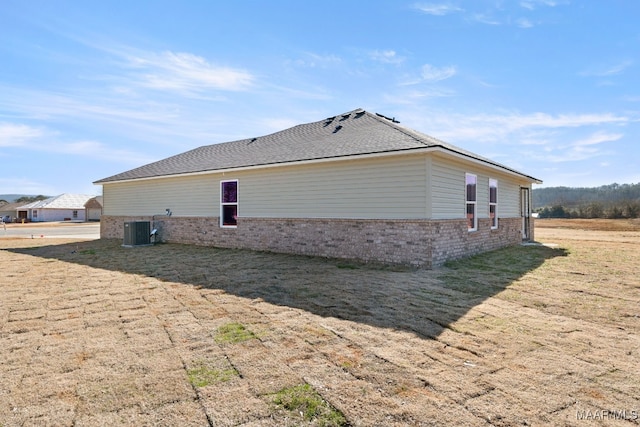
(494, 220)
(223, 203)
(473, 203)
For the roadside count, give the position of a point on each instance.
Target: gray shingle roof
(357, 132)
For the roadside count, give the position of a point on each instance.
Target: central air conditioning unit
(137, 233)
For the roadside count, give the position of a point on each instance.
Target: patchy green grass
(202, 376)
(303, 401)
(232, 333)
(347, 266)
(488, 273)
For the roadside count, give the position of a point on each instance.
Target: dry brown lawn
(94, 334)
(591, 224)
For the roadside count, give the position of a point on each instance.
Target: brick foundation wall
(423, 243)
(451, 240)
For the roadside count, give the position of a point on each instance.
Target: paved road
(80, 230)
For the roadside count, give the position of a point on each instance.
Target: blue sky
(90, 89)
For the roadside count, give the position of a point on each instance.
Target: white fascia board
(488, 164)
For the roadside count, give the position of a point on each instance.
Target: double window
(493, 203)
(471, 197)
(471, 192)
(229, 203)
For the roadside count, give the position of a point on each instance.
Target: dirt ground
(94, 334)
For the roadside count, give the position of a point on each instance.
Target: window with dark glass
(471, 188)
(229, 203)
(493, 202)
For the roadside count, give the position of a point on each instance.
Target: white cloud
(532, 129)
(314, 93)
(187, 72)
(431, 73)
(314, 60)
(98, 150)
(617, 68)
(386, 56)
(525, 141)
(544, 132)
(607, 70)
(428, 73)
(524, 23)
(431, 93)
(20, 185)
(115, 114)
(581, 149)
(15, 135)
(493, 14)
(569, 155)
(484, 19)
(109, 116)
(598, 138)
(562, 120)
(38, 140)
(438, 9)
(533, 4)
(631, 98)
(411, 97)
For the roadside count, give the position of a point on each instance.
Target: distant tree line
(24, 200)
(614, 201)
(31, 199)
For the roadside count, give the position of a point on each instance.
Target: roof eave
(490, 163)
(436, 148)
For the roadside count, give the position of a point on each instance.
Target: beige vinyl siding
(393, 187)
(508, 198)
(185, 196)
(428, 164)
(390, 187)
(448, 189)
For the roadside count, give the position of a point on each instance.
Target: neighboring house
(357, 185)
(65, 207)
(93, 208)
(8, 211)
